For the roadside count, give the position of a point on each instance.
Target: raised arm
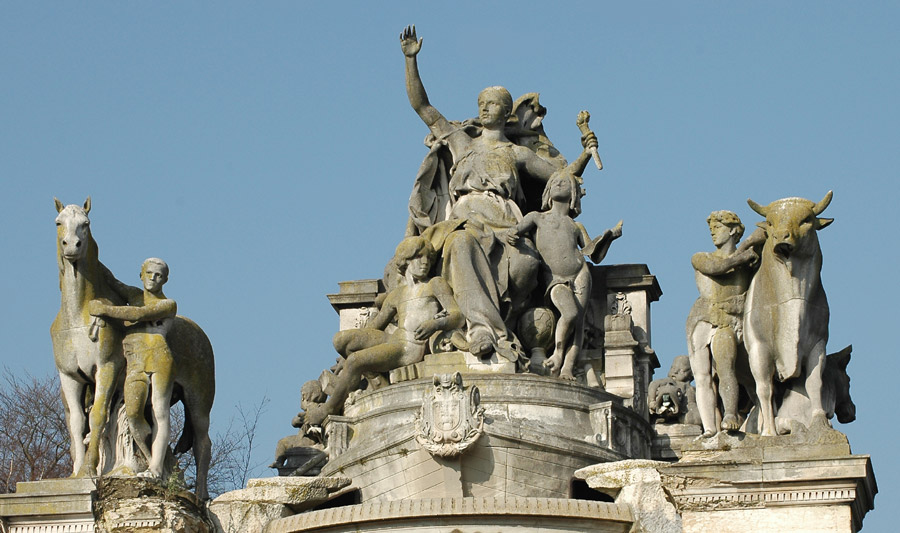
(542, 169)
(418, 99)
(135, 313)
(710, 265)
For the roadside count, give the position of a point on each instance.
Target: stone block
(137, 505)
(50, 506)
(637, 484)
(249, 510)
(466, 363)
(774, 484)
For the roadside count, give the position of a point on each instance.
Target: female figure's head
(494, 106)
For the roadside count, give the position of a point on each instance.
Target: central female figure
(491, 279)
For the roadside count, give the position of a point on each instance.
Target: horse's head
(73, 230)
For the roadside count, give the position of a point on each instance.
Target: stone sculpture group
(762, 315)
(493, 266)
(493, 273)
(114, 344)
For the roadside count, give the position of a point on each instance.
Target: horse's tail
(186, 441)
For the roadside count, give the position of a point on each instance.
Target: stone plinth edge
(836, 491)
(250, 509)
(50, 506)
(432, 511)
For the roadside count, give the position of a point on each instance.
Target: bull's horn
(59, 205)
(819, 207)
(756, 207)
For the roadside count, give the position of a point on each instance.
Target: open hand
(408, 42)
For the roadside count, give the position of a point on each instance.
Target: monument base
(523, 515)
(773, 483)
(136, 505)
(49, 506)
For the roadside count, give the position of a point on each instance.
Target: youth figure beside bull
(775, 325)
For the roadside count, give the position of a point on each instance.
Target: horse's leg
(72, 392)
(105, 379)
(814, 367)
(202, 446)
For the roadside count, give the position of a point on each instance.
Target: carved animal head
(791, 224)
(666, 399)
(836, 373)
(73, 229)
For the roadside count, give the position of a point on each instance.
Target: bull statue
(786, 312)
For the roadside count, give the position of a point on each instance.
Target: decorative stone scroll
(451, 419)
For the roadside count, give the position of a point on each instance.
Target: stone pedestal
(774, 483)
(638, 485)
(430, 515)
(136, 505)
(628, 365)
(669, 439)
(355, 301)
(249, 510)
(51, 506)
(529, 422)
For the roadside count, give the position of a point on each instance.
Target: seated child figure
(421, 306)
(562, 244)
(310, 395)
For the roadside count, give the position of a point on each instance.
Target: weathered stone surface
(775, 488)
(636, 483)
(93, 329)
(50, 506)
(530, 422)
(786, 314)
(518, 515)
(669, 439)
(715, 322)
(249, 510)
(464, 362)
(136, 505)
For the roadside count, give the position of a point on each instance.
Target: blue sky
(267, 152)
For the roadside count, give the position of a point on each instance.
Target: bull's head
(790, 222)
